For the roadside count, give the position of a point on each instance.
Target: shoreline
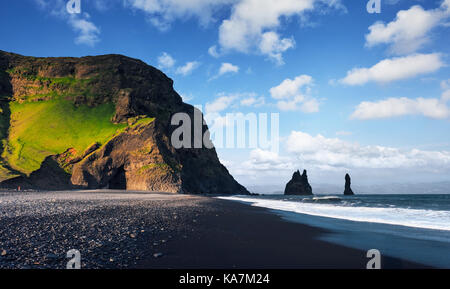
(118, 229)
(260, 238)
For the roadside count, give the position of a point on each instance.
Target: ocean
(412, 227)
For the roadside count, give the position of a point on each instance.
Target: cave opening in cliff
(119, 180)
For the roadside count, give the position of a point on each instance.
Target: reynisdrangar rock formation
(298, 185)
(348, 190)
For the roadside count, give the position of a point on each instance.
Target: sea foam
(417, 218)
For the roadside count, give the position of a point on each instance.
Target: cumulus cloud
(294, 94)
(446, 96)
(333, 152)
(409, 31)
(310, 106)
(328, 159)
(263, 160)
(228, 68)
(187, 68)
(393, 69)
(254, 24)
(273, 46)
(162, 13)
(219, 104)
(253, 101)
(290, 87)
(213, 51)
(165, 61)
(445, 84)
(225, 101)
(88, 32)
(395, 107)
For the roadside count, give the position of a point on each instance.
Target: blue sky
(356, 92)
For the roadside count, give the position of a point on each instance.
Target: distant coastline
(388, 188)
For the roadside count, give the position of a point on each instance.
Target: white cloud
(88, 32)
(446, 96)
(291, 87)
(165, 61)
(253, 24)
(262, 160)
(310, 106)
(393, 69)
(290, 105)
(409, 31)
(294, 94)
(273, 46)
(395, 107)
(219, 104)
(299, 102)
(188, 68)
(225, 101)
(213, 51)
(446, 5)
(333, 152)
(262, 163)
(445, 84)
(253, 101)
(434, 108)
(228, 68)
(328, 159)
(162, 13)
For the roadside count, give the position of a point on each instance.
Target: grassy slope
(46, 122)
(40, 129)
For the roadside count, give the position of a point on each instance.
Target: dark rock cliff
(298, 185)
(139, 157)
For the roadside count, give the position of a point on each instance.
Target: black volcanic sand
(137, 230)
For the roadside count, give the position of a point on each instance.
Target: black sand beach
(115, 229)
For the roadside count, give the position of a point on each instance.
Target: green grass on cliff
(42, 120)
(45, 88)
(40, 129)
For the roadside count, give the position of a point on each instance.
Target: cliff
(98, 122)
(298, 185)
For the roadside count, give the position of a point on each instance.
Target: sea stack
(348, 190)
(298, 185)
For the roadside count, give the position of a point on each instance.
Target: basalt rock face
(348, 190)
(298, 185)
(134, 151)
(49, 177)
